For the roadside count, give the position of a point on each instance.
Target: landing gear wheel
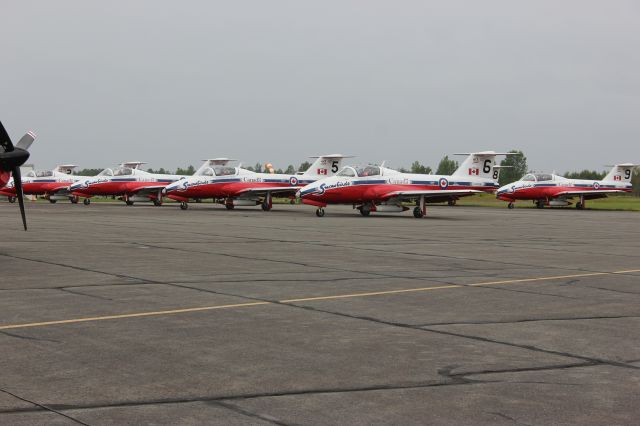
(74, 200)
(452, 202)
(365, 211)
(129, 203)
(157, 203)
(229, 206)
(184, 205)
(540, 204)
(266, 207)
(52, 201)
(12, 199)
(320, 212)
(86, 201)
(510, 206)
(579, 206)
(417, 212)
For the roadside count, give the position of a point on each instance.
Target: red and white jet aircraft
(11, 158)
(379, 189)
(127, 181)
(235, 186)
(547, 189)
(52, 184)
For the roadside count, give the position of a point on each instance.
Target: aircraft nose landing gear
(184, 205)
(510, 205)
(320, 212)
(86, 201)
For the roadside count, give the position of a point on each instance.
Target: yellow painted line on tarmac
(134, 315)
(306, 299)
(373, 293)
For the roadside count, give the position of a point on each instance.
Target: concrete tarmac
(114, 314)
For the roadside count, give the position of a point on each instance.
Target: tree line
(515, 167)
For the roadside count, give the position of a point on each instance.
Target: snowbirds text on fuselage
(547, 189)
(11, 158)
(52, 184)
(127, 181)
(235, 186)
(379, 189)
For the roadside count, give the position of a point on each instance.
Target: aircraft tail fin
(325, 165)
(621, 172)
(480, 164)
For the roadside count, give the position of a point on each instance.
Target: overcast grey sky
(171, 83)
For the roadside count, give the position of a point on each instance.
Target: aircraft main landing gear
(510, 205)
(74, 199)
(12, 199)
(52, 201)
(184, 205)
(129, 203)
(320, 212)
(452, 202)
(579, 206)
(540, 204)
(86, 201)
(266, 207)
(157, 203)
(417, 212)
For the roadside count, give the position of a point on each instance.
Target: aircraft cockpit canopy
(106, 172)
(368, 171)
(44, 173)
(218, 171)
(537, 177)
(123, 171)
(224, 171)
(347, 172)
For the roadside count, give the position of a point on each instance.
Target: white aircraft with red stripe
(379, 189)
(235, 186)
(127, 181)
(548, 189)
(52, 184)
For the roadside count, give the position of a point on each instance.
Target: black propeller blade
(17, 182)
(11, 158)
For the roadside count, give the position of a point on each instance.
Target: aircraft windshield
(541, 177)
(224, 171)
(30, 174)
(368, 171)
(347, 171)
(206, 172)
(123, 171)
(106, 172)
(44, 173)
(528, 178)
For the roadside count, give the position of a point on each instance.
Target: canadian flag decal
(617, 177)
(322, 171)
(473, 171)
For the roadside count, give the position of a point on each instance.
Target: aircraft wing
(148, 191)
(589, 193)
(432, 193)
(62, 190)
(273, 189)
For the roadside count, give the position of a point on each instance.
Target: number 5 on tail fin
(325, 165)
